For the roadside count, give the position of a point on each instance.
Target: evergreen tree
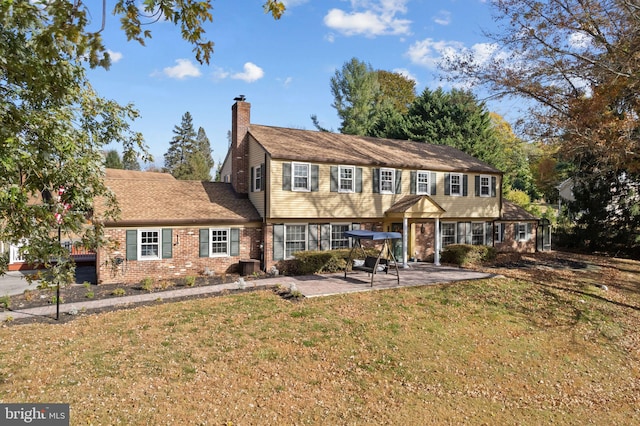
(195, 168)
(356, 93)
(204, 147)
(130, 162)
(112, 160)
(182, 144)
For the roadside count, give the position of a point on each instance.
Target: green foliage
(119, 292)
(466, 254)
(189, 155)
(5, 302)
(112, 160)
(147, 284)
(397, 90)
(356, 94)
(189, 280)
(90, 295)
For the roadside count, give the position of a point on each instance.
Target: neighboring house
(172, 228)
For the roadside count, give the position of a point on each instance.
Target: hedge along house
(310, 187)
(170, 228)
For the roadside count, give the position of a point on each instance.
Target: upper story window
(387, 181)
(149, 244)
(346, 178)
(455, 184)
(422, 183)
(257, 178)
(301, 176)
(485, 186)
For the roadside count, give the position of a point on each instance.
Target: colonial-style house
(286, 190)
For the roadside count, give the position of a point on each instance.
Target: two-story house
(287, 190)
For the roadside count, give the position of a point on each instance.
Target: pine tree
(112, 160)
(204, 147)
(182, 144)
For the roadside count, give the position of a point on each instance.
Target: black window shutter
(132, 244)
(447, 184)
(465, 185)
(315, 171)
(167, 243)
(412, 182)
(494, 182)
(253, 182)
(286, 176)
(488, 232)
(432, 181)
(398, 181)
(477, 182)
(334, 179)
(263, 180)
(376, 181)
(461, 233)
(358, 179)
(278, 242)
(234, 239)
(204, 243)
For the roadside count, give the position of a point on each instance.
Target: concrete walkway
(418, 274)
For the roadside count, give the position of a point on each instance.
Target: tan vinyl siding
(257, 157)
(326, 204)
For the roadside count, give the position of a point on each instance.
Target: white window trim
(256, 178)
(484, 232)
(139, 244)
(353, 179)
(423, 172)
(228, 251)
(348, 225)
(306, 238)
(455, 233)
(525, 239)
(458, 194)
(393, 180)
(293, 177)
(488, 186)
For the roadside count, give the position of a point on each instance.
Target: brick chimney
(240, 122)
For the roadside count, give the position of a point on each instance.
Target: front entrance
(397, 244)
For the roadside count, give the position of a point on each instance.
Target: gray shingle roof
(325, 147)
(513, 212)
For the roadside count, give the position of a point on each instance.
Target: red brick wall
(424, 243)
(240, 122)
(509, 243)
(185, 258)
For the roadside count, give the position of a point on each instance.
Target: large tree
(577, 62)
(182, 144)
(204, 147)
(356, 93)
(54, 127)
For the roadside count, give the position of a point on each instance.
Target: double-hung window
(521, 232)
(498, 232)
(448, 232)
(295, 239)
(455, 184)
(338, 239)
(257, 178)
(485, 186)
(346, 178)
(301, 177)
(387, 181)
(477, 233)
(219, 242)
(149, 244)
(422, 183)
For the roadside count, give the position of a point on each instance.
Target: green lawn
(521, 350)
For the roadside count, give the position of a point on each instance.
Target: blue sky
(282, 67)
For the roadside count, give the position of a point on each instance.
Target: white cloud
(251, 73)
(115, 56)
(405, 72)
(184, 68)
(377, 18)
(579, 40)
(442, 18)
(287, 81)
(429, 53)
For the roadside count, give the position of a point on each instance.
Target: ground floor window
(448, 233)
(149, 246)
(498, 232)
(338, 239)
(219, 242)
(477, 233)
(295, 239)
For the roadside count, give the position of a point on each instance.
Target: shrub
(90, 295)
(189, 280)
(147, 284)
(466, 254)
(317, 262)
(5, 302)
(118, 292)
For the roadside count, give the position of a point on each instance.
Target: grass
(529, 349)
